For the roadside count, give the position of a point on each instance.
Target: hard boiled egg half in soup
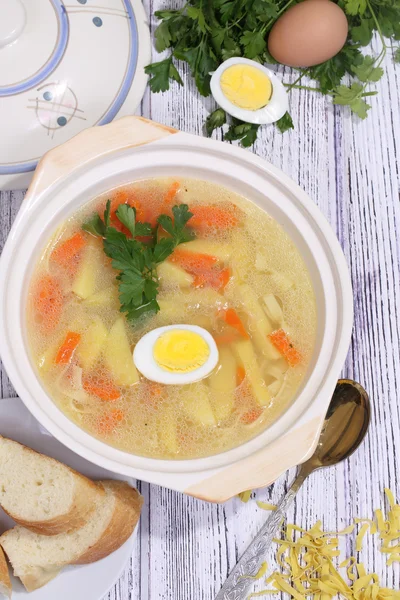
(248, 91)
(176, 354)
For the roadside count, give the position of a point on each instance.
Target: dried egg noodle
(310, 565)
(242, 279)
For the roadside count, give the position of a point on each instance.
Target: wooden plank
(185, 548)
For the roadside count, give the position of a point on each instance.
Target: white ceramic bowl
(132, 148)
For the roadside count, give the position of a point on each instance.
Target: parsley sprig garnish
(135, 260)
(204, 33)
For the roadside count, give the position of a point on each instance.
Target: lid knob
(12, 21)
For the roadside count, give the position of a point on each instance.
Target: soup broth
(240, 278)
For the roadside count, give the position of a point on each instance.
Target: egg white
(147, 366)
(273, 111)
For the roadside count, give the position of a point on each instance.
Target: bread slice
(5, 583)
(41, 493)
(36, 558)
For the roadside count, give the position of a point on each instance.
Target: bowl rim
(79, 442)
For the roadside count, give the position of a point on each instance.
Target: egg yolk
(246, 86)
(180, 351)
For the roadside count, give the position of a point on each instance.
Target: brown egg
(308, 34)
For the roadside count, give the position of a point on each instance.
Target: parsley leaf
(227, 11)
(366, 70)
(245, 132)
(344, 94)
(197, 15)
(182, 215)
(231, 47)
(352, 97)
(136, 261)
(250, 137)
(95, 226)
(285, 123)
(355, 7)
(266, 10)
(163, 36)
(163, 249)
(396, 55)
(254, 43)
(161, 72)
(214, 120)
(362, 33)
(127, 216)
(166, 14)
(131, 288)
(201, 63)
(177, 227)
(330, 73)
(107, 213)
(143, 229)
(174, 75)
(360, 108)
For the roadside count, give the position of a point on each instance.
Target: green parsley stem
(272, 21)
(292, 86)
(365, 94)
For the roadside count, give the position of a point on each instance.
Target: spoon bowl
(345, 425)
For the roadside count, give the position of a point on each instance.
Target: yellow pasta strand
(245, 496)
(360, 536)
(265, 505)
(260, 573)
(306, 560)
(390, 497)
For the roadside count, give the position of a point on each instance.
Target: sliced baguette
(41, 493)
(5, 583)
(36, 558)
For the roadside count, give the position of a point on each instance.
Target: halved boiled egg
(249, 91)
(176, 354)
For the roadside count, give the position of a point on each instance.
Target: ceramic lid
(65, 66)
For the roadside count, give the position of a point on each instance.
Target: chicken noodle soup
(229, 269)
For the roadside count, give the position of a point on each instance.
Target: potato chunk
(118, 355)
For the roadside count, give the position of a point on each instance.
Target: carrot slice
(240, 375)
(67, 253)
(217, 279)
(231, 317)
(101, 387)
(67, 348)
(169, 198)
(224, 277)
(284, 345)
(48, 302)
(119, 197)
(125, 197)
(213, 217)
(251, 415)
(108, 422)
(193, 262)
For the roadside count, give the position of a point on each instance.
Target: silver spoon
(344, 429)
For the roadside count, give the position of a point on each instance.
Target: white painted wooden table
(185, 548)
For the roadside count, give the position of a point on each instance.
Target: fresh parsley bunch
(135, 260)
(204, 33)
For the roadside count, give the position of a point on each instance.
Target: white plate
(84, 582)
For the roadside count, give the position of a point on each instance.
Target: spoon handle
(240, 579)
